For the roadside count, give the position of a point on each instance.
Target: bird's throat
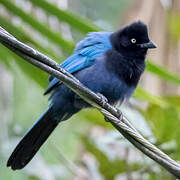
(129, 69)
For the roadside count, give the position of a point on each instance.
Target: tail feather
(32, 141)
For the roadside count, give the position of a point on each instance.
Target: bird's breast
(99, 79)
(116, 89)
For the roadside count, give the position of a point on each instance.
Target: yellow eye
(133, 40)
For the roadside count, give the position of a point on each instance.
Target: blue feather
(85, 54)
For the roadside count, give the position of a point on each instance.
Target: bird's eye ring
(133, 40)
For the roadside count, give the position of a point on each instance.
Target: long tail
(33, 140)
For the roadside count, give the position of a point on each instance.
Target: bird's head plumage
(132, 39)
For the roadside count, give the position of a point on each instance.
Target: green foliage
(42, 28)
(174, 100)
(174, 25)
(77, 22)
(29, 70)
(163, 122)
(143, 95)
(162, 73)
(160, 176)
(94, 117)
(23, 36)
(109, 168)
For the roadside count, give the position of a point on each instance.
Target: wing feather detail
(85, 54)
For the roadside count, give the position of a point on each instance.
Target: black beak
(148, 45)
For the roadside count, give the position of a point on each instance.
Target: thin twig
(123, 126)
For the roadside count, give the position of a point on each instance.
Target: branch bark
(122, 125)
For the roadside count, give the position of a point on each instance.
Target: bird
(108, 63)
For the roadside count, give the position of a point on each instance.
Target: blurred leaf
(5, 56)
(108, 168)
(159, 176)
(81, 24)
(25, 38)
(174, 25)
(31, 71)
(11, 175)
(40, 77)
(162, 73)
(174, 100)
(42, 28)
(177, 150)
(144, 95)
(33, 177)
(94, 117)
(163, 122)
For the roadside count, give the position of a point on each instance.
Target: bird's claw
(104, 100)
(120, 115)
(106, 119)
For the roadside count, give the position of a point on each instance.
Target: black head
(132, 39)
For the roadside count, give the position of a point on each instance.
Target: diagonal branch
(122, 125)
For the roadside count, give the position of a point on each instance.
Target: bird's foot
(106, 119)
(104, 100)
(120, 115)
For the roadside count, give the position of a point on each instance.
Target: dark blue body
(97, 78)
(101, 80)
(89, 64)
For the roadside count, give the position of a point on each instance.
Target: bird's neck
(127, 68)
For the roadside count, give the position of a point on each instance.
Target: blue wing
(85, 54)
